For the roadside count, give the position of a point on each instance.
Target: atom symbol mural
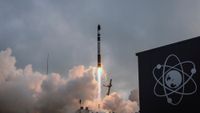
(172, 79)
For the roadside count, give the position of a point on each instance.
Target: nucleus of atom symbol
(174, 79)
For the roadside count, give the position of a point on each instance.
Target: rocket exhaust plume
(99, 73)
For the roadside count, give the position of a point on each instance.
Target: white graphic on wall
(174, 79)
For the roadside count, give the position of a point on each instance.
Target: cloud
(63, 94)
(134, 95)
(42, 93)
(18, 88)
(115, 103)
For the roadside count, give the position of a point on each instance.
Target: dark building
(169, 78)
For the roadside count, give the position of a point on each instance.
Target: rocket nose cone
(98, 27)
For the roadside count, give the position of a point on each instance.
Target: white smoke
(28, 91)
(62, 94)
(18, 88)
(115, 103)
(134, 95)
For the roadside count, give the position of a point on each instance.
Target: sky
(66, 30)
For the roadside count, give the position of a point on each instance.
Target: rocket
(98, 46)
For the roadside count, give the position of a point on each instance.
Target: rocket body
(98, 46)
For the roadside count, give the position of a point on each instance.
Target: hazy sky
(66, 29)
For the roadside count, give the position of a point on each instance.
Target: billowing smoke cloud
(134, 95)
(28, 91)
(18, 88)
(62, 94)
(115, 103)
